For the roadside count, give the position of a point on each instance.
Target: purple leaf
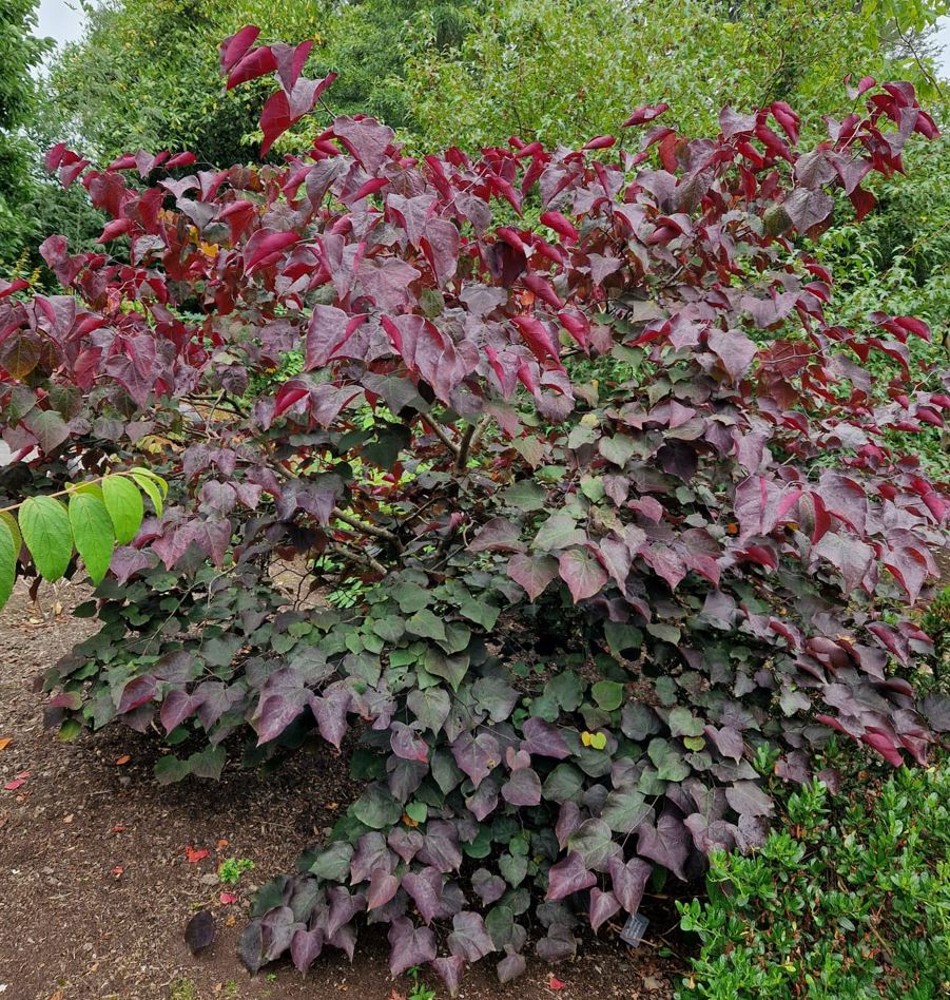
(477, 757)
(734, 350)
(382, 888)
(533, 573)
(849, 555)
(450, 969)
(603, 905)
(410, 945)
(372, 853)
(558, 945)
(511, 967)
(667, 843)
(523, 788)
(136, 692)
(406, 743)
(330, 328)
(582, 573)
(542, 738)
(728, 741)
(748, 799)
(425, 889)
(498, 535)
(761, 505)
(305, 948)
(199, 933)
(330, 713)
(569, 875)
(490, 888)
(629, 881)
(275, 713)
(441, 846)
(469, 939)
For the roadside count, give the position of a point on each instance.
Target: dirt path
(96, 883)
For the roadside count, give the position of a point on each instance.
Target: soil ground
(96, 884)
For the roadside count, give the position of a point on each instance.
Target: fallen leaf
(124, 759)
(397, 996)
(118, 870)
(195, 855)
(199, 933)
(555, 984)
(227, 898)
(118, 828)
(5, 742)
(69, 818)
(17, 782)
(222, 844)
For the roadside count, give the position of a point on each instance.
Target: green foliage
(231, 869)
(120, 86)
(898, 258)
(20, 53)
(850, 900)
(91, 521)
(936, 623)
(419, 990)
(563, 72)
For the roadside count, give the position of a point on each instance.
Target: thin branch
(465, 446)
(367, 529)
(66, 492)
(470, 441)
(441, 433)
(359, 556)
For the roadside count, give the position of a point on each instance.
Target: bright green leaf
(8, 557)
(47, 534)
(148, 486)
(92, 532)
(125, 507)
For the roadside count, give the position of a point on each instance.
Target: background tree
(20, 54)
(565, 71)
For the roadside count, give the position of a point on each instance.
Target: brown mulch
(96, 884)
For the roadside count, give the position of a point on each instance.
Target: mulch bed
(101, 868)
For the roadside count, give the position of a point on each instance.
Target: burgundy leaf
(523, 788)
(667, 843)
(569, 875)
(425, 889)
(469, 939)
(533, 573)
(274, 715)
(136, 692)
(382, 888)
(645, 113)
(582, 573)
(410, 945)
(305, 948)
(603, 905)
(629, 881)
(249, 66)
(498, 535)
(542, 738)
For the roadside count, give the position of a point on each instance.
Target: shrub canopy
(622, 505)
